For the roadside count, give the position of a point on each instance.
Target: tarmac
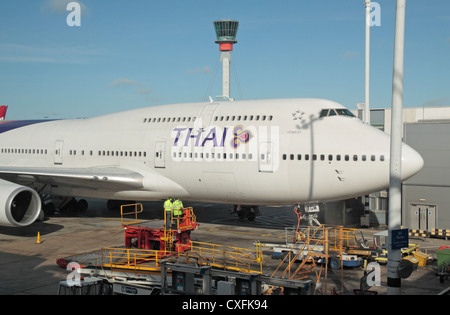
(28, 267)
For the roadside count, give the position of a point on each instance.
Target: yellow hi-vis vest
(168, 205)
(177, 206)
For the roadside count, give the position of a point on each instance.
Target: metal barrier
(227, 257)
(134, 259)
(219, 256)
(137, 208)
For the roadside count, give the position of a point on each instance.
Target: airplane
(253, 152)
(3, 110)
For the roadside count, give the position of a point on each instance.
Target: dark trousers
(168, 219)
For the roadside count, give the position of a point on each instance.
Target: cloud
(443, 101)
(139, 88)
(48, 53)
(350, 54)
(60, 6)
(204, 70)
(143, 91)
(21, 59)
(121, 82)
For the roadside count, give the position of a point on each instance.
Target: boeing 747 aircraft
(262, 152)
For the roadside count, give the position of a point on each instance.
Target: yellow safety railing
(219, 256)
(125, 210)
(134, 259)
(185, 221)
(227, 257)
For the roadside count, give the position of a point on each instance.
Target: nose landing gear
(249, 212)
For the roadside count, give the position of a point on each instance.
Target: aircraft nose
(412, 162)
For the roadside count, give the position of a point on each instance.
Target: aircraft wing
(107, 178)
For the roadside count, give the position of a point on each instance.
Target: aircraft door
(59, 152)
(265, 157)
(160, 152)
(423, 217)
(207, 114)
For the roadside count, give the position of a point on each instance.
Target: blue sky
(138, 53)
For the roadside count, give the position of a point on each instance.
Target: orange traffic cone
(38, 240)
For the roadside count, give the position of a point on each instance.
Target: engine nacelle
(19, 205)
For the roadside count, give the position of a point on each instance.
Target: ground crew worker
(168, 207)
(177, 209)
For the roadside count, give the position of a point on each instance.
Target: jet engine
(19, 205)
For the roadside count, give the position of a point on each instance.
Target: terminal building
(426, 195)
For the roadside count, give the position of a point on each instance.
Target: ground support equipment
(443, 263)
(155, 235)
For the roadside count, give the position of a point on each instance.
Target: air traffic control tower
(226, 37)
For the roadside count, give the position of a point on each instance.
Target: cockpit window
(344, 112)
(324, 113)
(336, 111)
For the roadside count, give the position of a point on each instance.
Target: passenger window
(347, 157)
(299, 157)
(382, 158)
(372, 157)
(355, 158)
(284, 157)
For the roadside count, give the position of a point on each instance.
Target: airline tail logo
(3, 110)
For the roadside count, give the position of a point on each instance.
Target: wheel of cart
(444, 273)
(334, 263)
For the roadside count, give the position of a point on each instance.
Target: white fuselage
(242, 152)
